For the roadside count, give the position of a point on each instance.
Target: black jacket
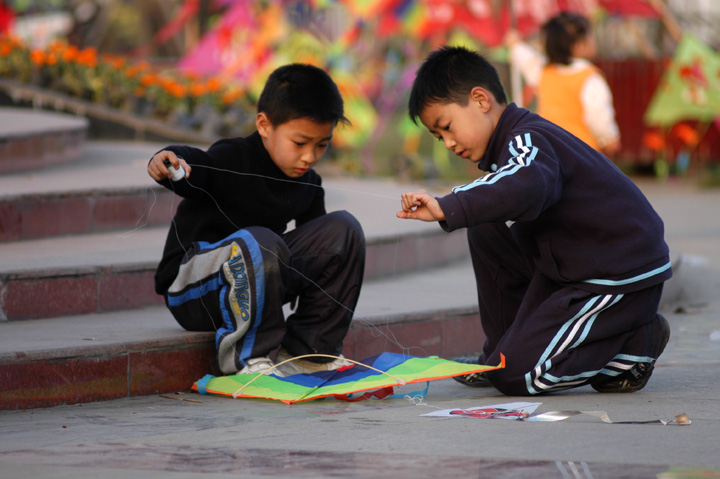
(576, 215)
(233, 185)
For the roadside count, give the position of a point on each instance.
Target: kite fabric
(376, 376)
(689, 88)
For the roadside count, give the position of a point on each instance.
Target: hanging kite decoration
(689, 90)
(375, 376)
(690, 87)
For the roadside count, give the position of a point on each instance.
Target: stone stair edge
(105, 355)
(82, 193)
(153, 325)
(173, 342)
(130, 265)
(35, 283)
(178, 338)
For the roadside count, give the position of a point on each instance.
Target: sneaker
(475, 380)
(303, 366)
(260, 365)
(638, 376)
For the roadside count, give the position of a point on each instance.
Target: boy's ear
(481, 97)
(262, 123)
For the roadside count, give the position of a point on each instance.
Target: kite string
(267, 371)
(145, 217)
(268, 251)
(325, 187)
(386, 333)
(419, 400)
(397, 245)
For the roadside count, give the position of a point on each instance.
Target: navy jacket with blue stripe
(576, 215)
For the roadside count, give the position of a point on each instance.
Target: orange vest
(559, 100)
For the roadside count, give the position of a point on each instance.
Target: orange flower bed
(119, 82)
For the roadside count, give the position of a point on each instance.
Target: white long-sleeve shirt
(595, 95)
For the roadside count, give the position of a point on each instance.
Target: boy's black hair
(561, 33)
(301, 91)
(448, 75)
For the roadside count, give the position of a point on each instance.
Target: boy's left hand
(420, 205)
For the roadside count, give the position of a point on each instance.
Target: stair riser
(87, 375)
(105, 375)
(36, 150)
(72, 294)
(43, 216)
(49, 294)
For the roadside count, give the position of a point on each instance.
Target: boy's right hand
(420, 205)
(157, 169)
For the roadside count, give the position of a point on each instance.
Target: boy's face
(464, 129)
(296, 145)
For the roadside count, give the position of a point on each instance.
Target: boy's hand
(157, 169)
(420, 205)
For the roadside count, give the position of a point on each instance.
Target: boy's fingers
(186, 167)
(410, 200)
(159, 167)
(154, 170)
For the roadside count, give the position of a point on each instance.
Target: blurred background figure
(571, 91)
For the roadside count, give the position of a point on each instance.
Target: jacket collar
(510, 116)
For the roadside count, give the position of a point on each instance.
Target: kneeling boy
(568, 254)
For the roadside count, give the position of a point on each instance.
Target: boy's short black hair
(301, 91)
(448, 75)
(561, 33)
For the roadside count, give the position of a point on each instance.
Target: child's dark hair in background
(561, 33)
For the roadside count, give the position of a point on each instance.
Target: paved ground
(168, 437)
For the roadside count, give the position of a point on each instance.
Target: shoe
(303, 366)
(638, 376)
(260, 365)
(475, 380)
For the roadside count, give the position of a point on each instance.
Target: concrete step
(86, 237)
(105, 189)
(108, 189)
(113, 271)
(31, 139)
(84, 358)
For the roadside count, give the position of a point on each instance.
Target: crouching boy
(229, 265)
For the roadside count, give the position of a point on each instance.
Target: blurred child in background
(571, 91)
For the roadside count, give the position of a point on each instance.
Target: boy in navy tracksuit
(568, 254)
(229, 264)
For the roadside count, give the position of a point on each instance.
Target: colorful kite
(689, 88)
(376, 376)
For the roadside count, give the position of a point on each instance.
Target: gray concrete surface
(220, 437)
(23, 123)
(171, 437)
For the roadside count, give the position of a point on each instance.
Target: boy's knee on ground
(512, 380)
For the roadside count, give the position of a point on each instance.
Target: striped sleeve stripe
(523, 153)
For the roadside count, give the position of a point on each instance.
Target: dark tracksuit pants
(238, 286)
(554, 336)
